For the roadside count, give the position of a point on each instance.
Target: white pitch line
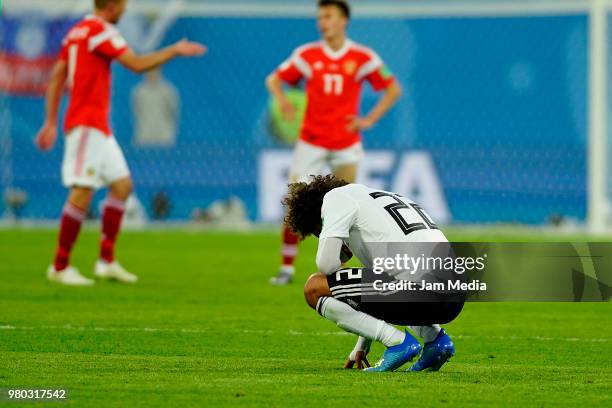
(278, 333)
(102, 329)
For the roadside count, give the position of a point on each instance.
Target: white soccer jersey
(366, 219)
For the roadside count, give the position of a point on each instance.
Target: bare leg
(347, 172)
(81, 197)
(121, 189)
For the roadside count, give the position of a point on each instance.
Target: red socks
(290, 247)
(112, 214)
(70, 225)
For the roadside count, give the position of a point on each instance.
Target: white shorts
(92, 159)
(310, 160)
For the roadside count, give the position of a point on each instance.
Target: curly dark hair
(304, 201)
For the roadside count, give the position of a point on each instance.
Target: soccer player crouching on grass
(353, 218)
(92, 157)
(334, 71)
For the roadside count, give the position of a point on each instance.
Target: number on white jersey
(351, 273)
(393, 210)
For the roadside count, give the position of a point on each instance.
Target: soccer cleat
(396, 356)
(284, 277)
(114, 271)
(69, 277)
(435, 353)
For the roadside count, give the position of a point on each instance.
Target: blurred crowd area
(492, 127)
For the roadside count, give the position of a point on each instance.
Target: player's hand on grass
(46, 137)
(186, 48)
(355, 124)
(360, 359)
(359, 355)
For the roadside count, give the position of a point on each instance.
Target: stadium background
(493, 127)
(503, 121)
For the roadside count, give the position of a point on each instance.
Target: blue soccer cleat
(396, 356)
(435, 353)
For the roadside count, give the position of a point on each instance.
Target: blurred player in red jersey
(92, 157)
(334, 70)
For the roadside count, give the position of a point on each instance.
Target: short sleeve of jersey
(108, 43)
(339, 213)
(376, 73)
(381, 79)
(294, 69)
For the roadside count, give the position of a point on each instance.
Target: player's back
(383, 216)
(88, 50)
(376, 223)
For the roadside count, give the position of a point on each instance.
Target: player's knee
(311, 293)
(122, 189)
(81, 197)
(316, 287)
(128, 187)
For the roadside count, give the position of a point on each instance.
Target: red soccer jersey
(333, 87)
(88, 49)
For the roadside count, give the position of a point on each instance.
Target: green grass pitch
(204, 328)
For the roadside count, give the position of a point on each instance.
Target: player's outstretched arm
(275, 87)
(386, 102)
(47, 135)
(144, 63)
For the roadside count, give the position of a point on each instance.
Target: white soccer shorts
(92, 159)
(310, 160)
